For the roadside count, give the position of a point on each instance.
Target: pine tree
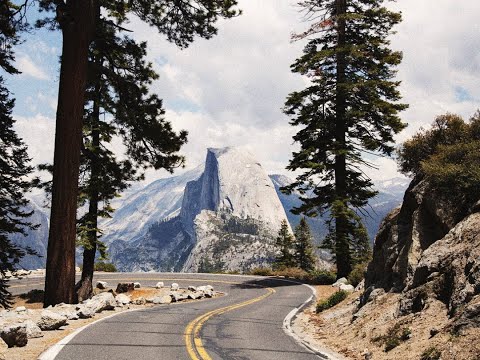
(118, 86)
(180, 22)
(284, 244)
(14, 167)
(304, 252)
(350, 108)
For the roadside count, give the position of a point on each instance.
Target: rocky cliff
(429, 249)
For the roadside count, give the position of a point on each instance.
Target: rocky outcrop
(428, 249)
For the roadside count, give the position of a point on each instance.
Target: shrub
(432, 353)
(394, 337)
(293, 273)
(104, 266)
(333, 300)
(357, 274)
(321, 277)
(261, 271)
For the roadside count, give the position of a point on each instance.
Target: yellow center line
(194, 343)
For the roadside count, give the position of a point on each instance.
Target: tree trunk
(84, 287)
(77, 20)
(342, 248)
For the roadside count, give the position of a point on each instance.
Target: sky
(229, 90)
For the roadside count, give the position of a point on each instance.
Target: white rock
(192, 288)
(51, 321)
(174, 287)
(14, 335)
(33, 331)
(123, 299)
(178, 297)
(159, 285)
(166, 299)
(137, 285)
(101, 285)
(360, 286)
(347, 287)
(140, 301)
(21, 309)
(195, 295)
(98, 303)
(340, 282)
(67, 310)
(209, 287)
(77, 269)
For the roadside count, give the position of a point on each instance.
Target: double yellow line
(194, 343)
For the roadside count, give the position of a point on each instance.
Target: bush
(333, 300)
(394, 337)
(431, 354)
(292, 273)
(104, 266)
(321, 277)
(357, 274)
(261, 271)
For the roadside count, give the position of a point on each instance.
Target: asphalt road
(246, 323)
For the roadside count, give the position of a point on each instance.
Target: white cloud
(28, 68)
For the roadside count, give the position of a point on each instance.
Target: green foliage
(211, 266)
(105, 266)
(321, 277)
(14, 161)
(284, 243)
(357, 274)
(394, 337)
(333, 300)
(304, 253)
(448, 157)
(292, 273)
(432, 353)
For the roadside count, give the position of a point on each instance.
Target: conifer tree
(349, 108)
(304, 252)
(14, 160)
(118, 86)
(284, 244)
(180, 22)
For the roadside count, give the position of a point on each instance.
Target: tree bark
(77, 21)
(342, 248)
(84, 287)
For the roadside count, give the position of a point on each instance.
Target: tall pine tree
(118, 104)
(350, 108)
(14, 160)
(304, 252)
(180, 22)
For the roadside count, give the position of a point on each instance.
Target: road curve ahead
(246, 323)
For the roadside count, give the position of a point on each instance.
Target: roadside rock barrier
(192, 288)
(174, 287)
(14, 335)
(140, 301)
(340, 282)
(51, 321)
(102, 285)
(101, 302)
(166, 299)
(123, 299)
(347, 287)
(33, 331)
(159, 285)
(124, 287)
(137, 285)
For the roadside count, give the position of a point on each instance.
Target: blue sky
(230, 90)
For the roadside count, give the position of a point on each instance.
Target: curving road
(247, 323)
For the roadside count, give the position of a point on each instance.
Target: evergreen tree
(284, 243)
(304, 252)
(14, 167)
(180, 22)
(118, 86)
(350, 108)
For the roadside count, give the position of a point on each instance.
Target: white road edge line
(54, 350)
(287, 327)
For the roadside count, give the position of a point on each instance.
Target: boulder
(174, 287)
(125, 287)
(51, 321)
(176, 296)
(140, 301)
(360, 286)
(33, 331)
(97, 304)
(102, 285)
(194, 295)
(14, 335)
(340, 281)
(347, 287)
(137, 285)
(123, 299)
(192, 288)
(21, 309)
(166, 299)
(159, 285)
(67, 310)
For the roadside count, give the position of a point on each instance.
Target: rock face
(427, 250)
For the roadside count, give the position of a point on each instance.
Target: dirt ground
(37, 346)
(378, 326)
